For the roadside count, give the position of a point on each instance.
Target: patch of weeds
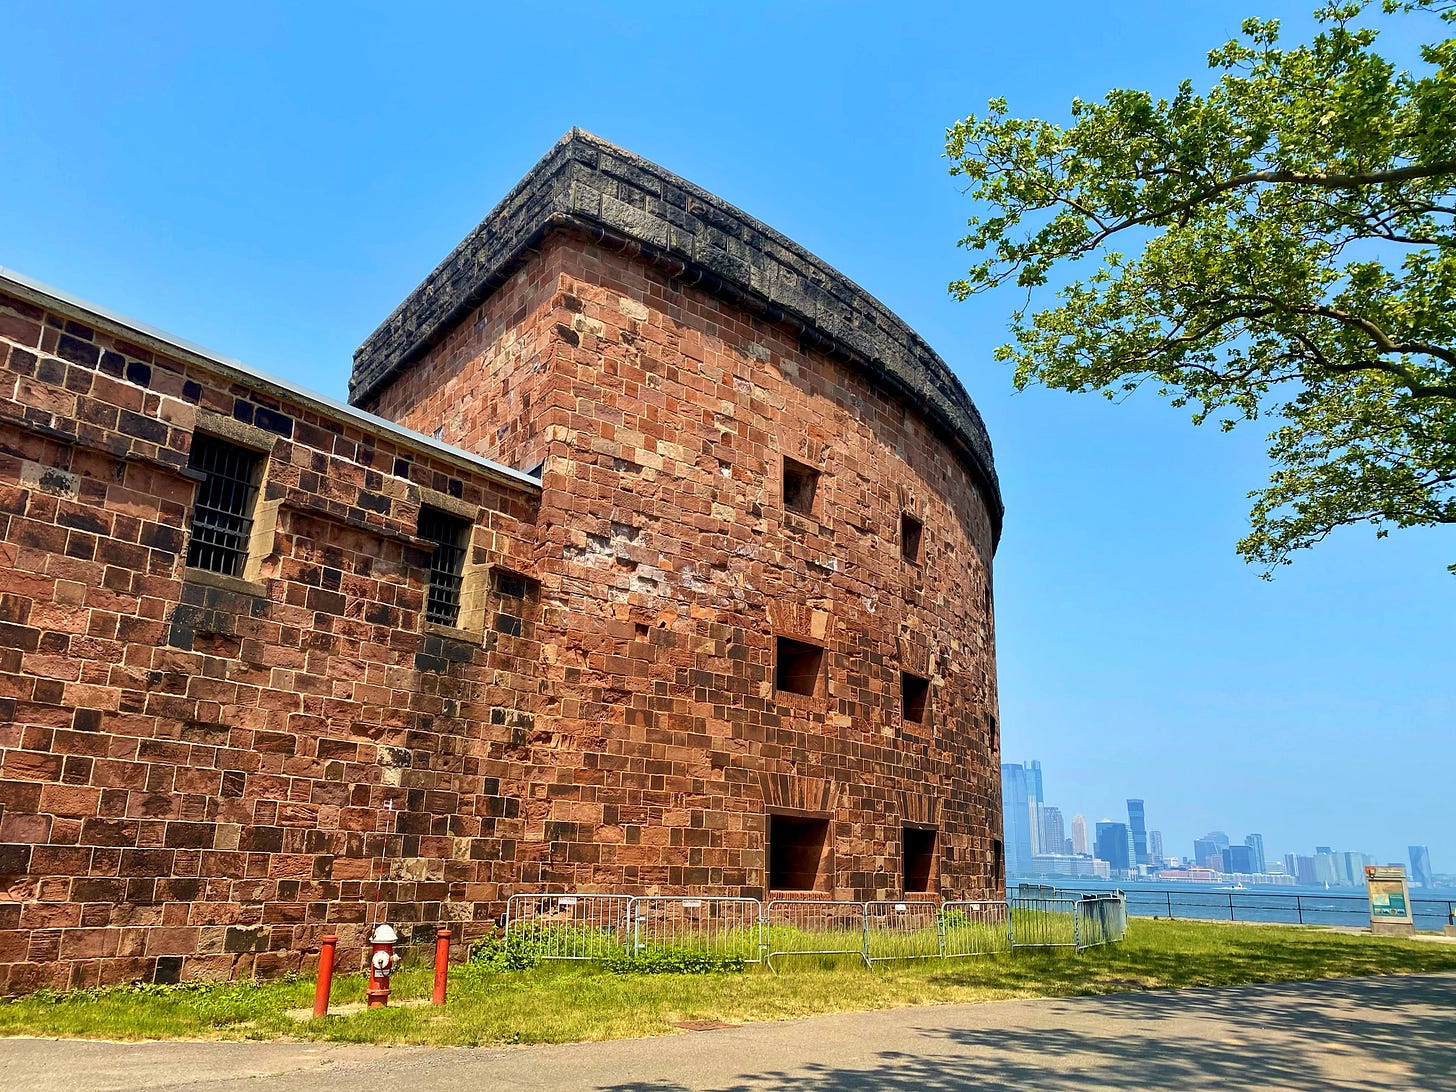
(220, 1004)
(524, 946)
(497, 953)
(208, 1003)
(673, 959)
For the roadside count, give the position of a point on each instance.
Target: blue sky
(270, 182)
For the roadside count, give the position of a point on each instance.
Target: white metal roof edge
(248, 374)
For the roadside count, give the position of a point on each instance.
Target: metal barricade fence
(590, 926)
(570, 926)
(902, 929)
(1101, 919)
(813, 927)
(1043, 923)
(974, 927)
(721, 926)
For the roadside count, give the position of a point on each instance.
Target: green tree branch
(1293, 238)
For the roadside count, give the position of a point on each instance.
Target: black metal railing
(1272, 907)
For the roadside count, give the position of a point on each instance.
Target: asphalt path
(1372, 1033)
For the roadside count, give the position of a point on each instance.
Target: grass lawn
(565, 1002)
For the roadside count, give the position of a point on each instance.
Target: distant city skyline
(1252, 852)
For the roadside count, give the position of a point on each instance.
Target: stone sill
(452, 633)
(210, 579)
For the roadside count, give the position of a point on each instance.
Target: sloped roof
(62, 302)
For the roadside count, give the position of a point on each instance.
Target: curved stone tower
(763, 639)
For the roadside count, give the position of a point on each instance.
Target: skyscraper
(1238, 859)
(1080, 844)
(1208, 850)
(1035, 798)
(1112, 844)
(1053, 834)
(1301, 868)
(1350, 868)
(1256, 843)
(1420, 862)
(1155, 848)
(1137, 823)
(1016, 810)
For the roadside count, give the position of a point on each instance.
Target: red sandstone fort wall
(670, 565)
(199, 773)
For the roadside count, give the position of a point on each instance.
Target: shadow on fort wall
(1334, 1034)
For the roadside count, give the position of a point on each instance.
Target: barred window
(447, 564)
(222, 514)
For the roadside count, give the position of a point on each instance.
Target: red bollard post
(442, 964)
(325, 975)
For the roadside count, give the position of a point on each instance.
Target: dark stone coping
(618, 199)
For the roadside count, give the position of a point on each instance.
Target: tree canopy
(1281, 246)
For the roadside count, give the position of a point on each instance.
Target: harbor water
(1431, 907)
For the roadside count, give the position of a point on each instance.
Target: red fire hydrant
(381, 964)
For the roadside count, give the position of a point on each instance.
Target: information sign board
(1390, 908)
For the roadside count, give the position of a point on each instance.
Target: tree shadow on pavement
(1333, 1034)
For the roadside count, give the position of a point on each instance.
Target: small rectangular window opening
(998, 861)
(801, 483)
(222, 513)
(796, 853)
(448, 535)
(510, 585)
(914, 696)
(910, 528)
(797, 666)
(918, 857)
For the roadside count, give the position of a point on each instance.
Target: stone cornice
(588, 185)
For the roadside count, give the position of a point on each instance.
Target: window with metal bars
(448, 535)
(222, 514)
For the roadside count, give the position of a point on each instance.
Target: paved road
(1385, 1033)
